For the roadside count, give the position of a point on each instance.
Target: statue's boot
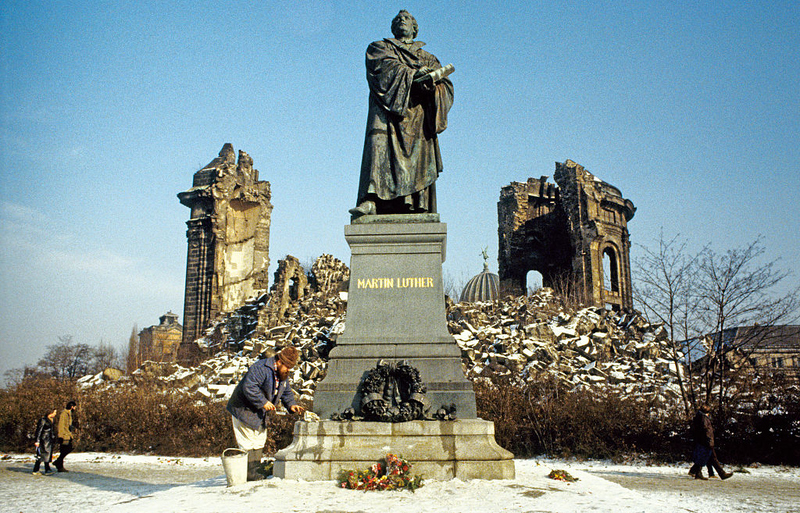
(365, 208)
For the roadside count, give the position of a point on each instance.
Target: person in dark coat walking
(44, 441)
(265, 383)
(704, 454)
(66, 434)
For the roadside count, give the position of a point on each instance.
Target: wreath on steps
(393, 393)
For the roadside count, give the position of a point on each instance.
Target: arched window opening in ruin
(294, 292)
(610, 270)
(533, 281)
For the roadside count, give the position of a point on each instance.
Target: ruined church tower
(573, 232)
(228, 238)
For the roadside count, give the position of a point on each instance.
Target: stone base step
(438, 450)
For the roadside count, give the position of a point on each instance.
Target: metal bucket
(235, 465)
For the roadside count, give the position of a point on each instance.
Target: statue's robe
(401, 159)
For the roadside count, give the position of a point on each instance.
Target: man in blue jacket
(265, 383)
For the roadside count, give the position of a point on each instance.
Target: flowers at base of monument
(393, 473)
(562, 475)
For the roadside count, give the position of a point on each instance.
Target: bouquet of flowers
(562, 475)
(393, 473)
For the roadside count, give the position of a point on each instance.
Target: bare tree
(663, 288)
(104, 356)
(66, 359)
(16, 376)
(736, 290)
(453, 285)
(13, 376)
(715, 306)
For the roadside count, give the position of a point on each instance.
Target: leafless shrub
(138, 419)
(543, 417)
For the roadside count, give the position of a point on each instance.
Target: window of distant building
(777, 363)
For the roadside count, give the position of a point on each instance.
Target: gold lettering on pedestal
(391, 283)
(375, 283)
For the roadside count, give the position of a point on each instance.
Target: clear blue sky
(107, 109)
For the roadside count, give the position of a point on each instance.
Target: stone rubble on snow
(522, 339)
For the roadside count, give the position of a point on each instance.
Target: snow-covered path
(118, 483)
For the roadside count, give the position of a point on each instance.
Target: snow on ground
(119, 483)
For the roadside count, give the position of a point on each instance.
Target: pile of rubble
(521, 339)
(527, 338)
(306, 311)
(299, 308)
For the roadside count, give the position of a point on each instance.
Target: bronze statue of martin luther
(409, 98)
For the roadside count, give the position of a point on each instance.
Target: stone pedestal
(396, 311)
(439, 450)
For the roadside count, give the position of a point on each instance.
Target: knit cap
(288, 356)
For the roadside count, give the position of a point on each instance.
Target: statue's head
(404, 25)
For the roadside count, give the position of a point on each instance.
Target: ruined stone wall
(291, 284)
(228, 238)
(565, 231)
(533, 235)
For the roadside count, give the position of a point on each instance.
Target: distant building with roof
(776, 350)
(160, 342)
(764, 349)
